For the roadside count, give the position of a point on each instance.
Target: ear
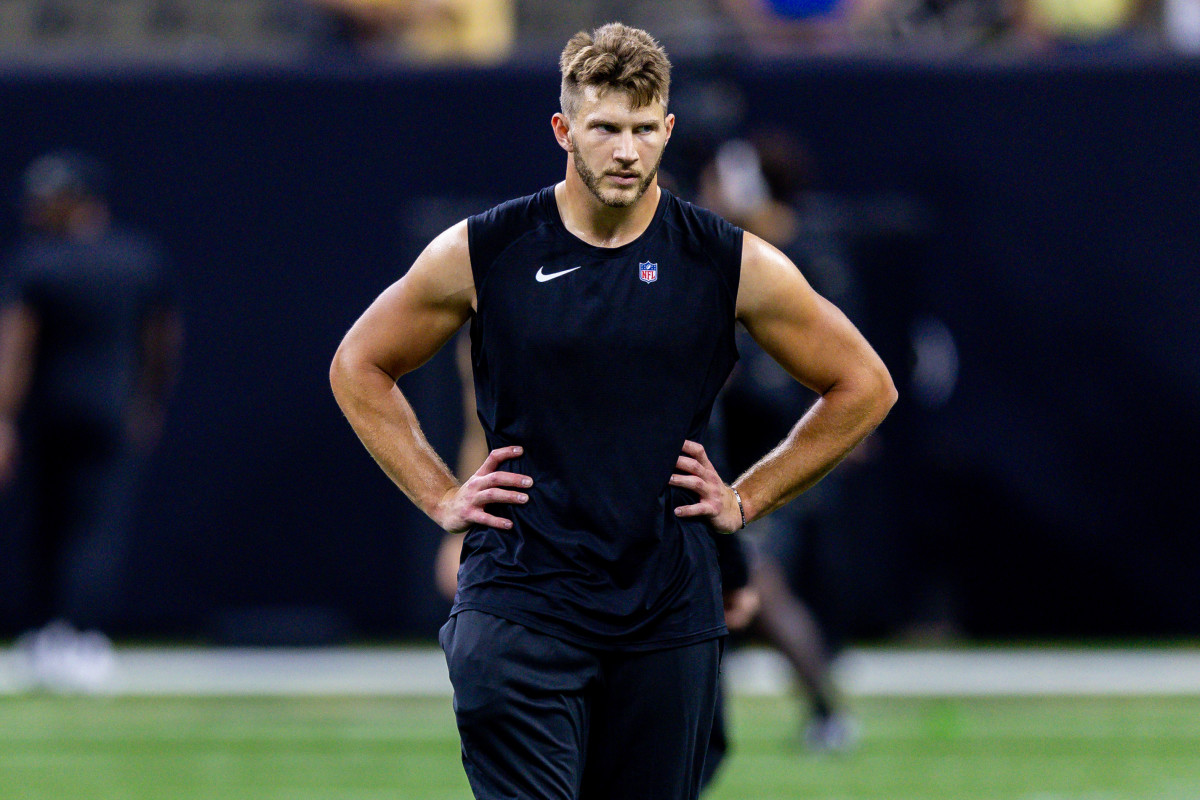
(669, 124)
(562, 131)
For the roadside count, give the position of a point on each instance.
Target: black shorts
(545, 719)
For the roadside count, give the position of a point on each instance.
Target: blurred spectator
(89, 340)
(760, 186)
(781, 27)
(950, 26)
(944, 26)
(685, 27)
(1082, 22)
(478, 31)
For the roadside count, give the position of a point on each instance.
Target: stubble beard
(592, 181)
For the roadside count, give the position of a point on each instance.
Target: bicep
(417, 314)
(809, 336)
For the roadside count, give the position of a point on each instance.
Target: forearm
(387, 426)
(827, 433)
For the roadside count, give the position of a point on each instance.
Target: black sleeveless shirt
(599, 362)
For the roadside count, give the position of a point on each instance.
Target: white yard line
(860, 672)
(988, 672)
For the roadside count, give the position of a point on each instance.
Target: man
(585, 638)
(89, 340)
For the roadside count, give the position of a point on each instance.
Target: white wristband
(741, 508)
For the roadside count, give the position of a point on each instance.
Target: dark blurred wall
(1053, 493)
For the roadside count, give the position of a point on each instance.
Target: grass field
(1092, 748)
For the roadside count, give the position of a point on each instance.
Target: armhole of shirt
(495, 231)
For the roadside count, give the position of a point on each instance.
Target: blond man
(585, 638)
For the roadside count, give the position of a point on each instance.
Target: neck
(598, 224)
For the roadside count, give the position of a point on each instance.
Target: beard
(592, 181)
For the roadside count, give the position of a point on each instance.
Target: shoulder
(491, 231)
(708, 237)
(770, 281)
(700, 222)
(517, 211)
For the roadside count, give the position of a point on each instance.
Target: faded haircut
(614, 56)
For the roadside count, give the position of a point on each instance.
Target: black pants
(83, 481)
(544, 719)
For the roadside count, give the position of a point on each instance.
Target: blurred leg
(791, 628)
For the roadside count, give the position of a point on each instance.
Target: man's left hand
(717, 501)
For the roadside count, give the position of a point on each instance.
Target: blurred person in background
(585, 642)
(423, 31)
(760, 184)
(1061, 24)
(783, 27)
(1017, 26)
(90, 336)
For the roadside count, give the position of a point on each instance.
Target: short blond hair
(614, 56)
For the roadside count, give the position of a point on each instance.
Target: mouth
(625, 178)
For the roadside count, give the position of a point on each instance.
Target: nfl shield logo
(648, 271)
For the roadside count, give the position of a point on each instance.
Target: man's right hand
(463, 506)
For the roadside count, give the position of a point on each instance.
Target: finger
(489, 496)
(491, 520)
(497, 457)
(695, 510)
(699, 453)
(688, 482)
(503, 479)
(689, 465)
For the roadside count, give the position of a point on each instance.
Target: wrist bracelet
(741, 508)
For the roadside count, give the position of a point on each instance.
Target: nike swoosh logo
(543, 276)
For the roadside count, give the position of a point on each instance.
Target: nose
(625, 151)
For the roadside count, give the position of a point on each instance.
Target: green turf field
(360, 749)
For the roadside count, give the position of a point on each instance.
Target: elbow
(885, 394)
(874, 392)
(354, 376)
(340, 371)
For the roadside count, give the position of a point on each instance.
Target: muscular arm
(401, 330)
(823, 350)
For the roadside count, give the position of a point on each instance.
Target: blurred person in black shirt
(89, 341)
(760, 185)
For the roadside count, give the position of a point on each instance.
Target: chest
(650, 307)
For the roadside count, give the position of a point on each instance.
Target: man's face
(616, 148)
